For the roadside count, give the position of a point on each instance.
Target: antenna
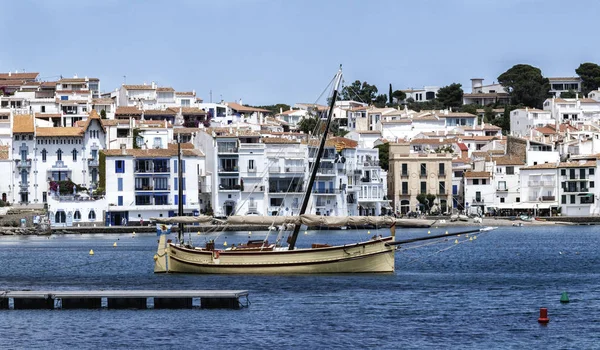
(124, 79)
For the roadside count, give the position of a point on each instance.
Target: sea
(454, 293)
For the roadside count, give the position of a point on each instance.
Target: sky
(286, 51)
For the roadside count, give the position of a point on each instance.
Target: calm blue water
(473, 295)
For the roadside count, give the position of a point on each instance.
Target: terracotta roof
(26, 76)
(508, 160)
(165, 89)
(488, 95)
(231, 132)
(565, 79)
(368, 132)
(587, 100)
(102, 101)
(184, 145)
(185, 93)
(92, 116)
(478, 138)
(577, 164)
(540, 166)
(486, 127)
(128, 111)
(278, 140)
(51, 84)
(113, 122)
(185, 130)
(238, 107)
(461, 160)
(477, 174)
(167, 111)
(72, 80)
(4, 152)
(462, 146)
(48, 115)
(192, 111)
(546, 130)
(23, 123)
(315, 143)
(70, 102)
(13, 82)
(342, 143)
(153, 153)
(54, 131)
(138, 87)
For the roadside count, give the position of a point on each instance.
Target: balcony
(548, 183)
(294, 169)
(230, 169)
(531, 183)
(326, 171)
(326, 191)
(502, 189)
(227, 149)
(477, 200)
(404, 175)
(253, 206)
(93, 162)
(23, 187)
(229, 187)
(23, 163)
(371, 163)
(442, 174)
(153, 170)
(274, 169)
(548, 198)
(144, 188)
(423, 175)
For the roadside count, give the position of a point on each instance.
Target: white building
(427, 93)
(479, 192)
(559, 85)
(143, 183)
(539, 189)
(523, 120)
(485, 94)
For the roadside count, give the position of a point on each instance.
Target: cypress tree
(390, 95)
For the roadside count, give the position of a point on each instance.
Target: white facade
(522, 121)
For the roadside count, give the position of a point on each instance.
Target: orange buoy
(543, 316)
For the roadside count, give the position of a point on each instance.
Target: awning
(528, 205)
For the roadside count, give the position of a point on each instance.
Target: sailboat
(375, 255)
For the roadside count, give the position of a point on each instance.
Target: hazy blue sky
(287, 51)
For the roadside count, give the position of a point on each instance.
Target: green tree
(103, 114)
(525, 85)
(359, 91)
(308, 124)
(451, 96)
(568, 94)
(488, 115)
(390, 95)
(384, 156)
(470, 108)
(274, 109)
(380, 101)
(399, 95)
(426, 200)
(504, 121)
(590, 76)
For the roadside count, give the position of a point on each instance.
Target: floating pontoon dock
(123, 299)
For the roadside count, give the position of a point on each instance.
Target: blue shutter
(183, 167)
(120, 184)
(175, 168)
(176, 199)
(183, 186)
(183, 197)
(120, 201)
(176, 186)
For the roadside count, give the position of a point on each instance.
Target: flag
(163, 229)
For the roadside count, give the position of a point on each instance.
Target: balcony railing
(230, 169)
(226, 149)
(548, 183)
(371, 163)
(423, 175)
(326, 171)
(501, 189)
(274, 169)
(404, 175)
(477, 200)
(548, 198)
(23, 163)
(93, 162)
(153, 170)
(326, 191)
(294, 169)
(442, 174)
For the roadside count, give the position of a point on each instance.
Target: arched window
(44, 154)
(59, 154)
(74, 155)
(77, 215)
(60, 217)
(92, 215)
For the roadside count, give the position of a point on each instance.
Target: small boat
(462, 217)
(453, 218)
(518, 224)
(526, 218)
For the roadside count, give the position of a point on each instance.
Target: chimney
(124, 149)
(280, 110)
(9, 73)
(241, 104)
(153, 85)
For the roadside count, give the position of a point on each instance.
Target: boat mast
(179, 187)
(313, 174)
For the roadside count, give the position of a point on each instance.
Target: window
(591, 184)
(582, 173)
(43, 109)
(175, 168)
(94, 173)
(92, 215)
(77, 215)
(176, 184)
(176, 199)
(563, 199)
(44, 154)
(501, 185)
(510, 170)
(518, 199)
(404, 169)
(120, 184)
(44, 197)
(119, 166)
(484, 181)
(475, 181)
(183, 199)
(64, 98)
(122, 133)
(442, 187)
(591, 171)
(404, 187)
(183, 166)
(59, 154)
(423, 187)
(572, 198)
(120, 201)
(423, 169)
(251, 164)
(501, 199)
(563, 172)
(441, 169)
(74, 155)
(60, 217)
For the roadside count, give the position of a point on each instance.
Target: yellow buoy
(225, 243)
(467, 235)
(428, 232)
(115, 244)
(134, 233)
(369, 232)
(155, 257)
(198, 233)
(456, 241)
(446, 232)
(305, 232)
(474, 237)
(470, 238)
(91, 252)
(249, 233)
(457, 235)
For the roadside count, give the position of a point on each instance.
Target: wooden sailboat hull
(366, 257)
